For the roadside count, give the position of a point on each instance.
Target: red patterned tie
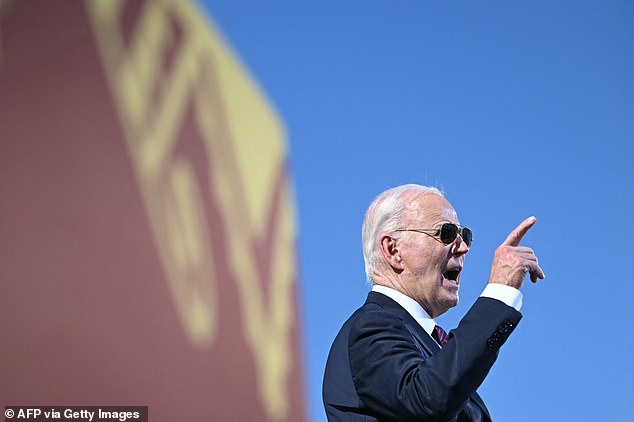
(439, 335)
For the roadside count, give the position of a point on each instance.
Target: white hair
(387, 213)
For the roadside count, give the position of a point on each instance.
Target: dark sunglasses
(447, 233)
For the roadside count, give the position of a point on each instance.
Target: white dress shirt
(507, 294)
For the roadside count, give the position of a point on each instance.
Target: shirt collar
(410, 305)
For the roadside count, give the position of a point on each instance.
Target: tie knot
(440, 335)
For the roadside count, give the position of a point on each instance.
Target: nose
(459, 246)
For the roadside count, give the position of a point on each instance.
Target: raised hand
(512, 262)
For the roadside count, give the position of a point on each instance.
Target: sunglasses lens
(467, 236)
(448, 233)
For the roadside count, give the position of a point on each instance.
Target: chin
(447, 304)
(452, 301)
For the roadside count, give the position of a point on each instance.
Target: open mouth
(452, 274)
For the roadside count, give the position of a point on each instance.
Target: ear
(391, 252)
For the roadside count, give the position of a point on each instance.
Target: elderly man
(390, 361)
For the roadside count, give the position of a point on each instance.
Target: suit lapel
(422, 337)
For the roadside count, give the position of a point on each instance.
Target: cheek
(437, 260)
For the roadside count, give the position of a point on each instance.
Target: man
(390, 362)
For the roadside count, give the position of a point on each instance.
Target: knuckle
(504, 249)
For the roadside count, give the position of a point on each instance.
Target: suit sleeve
(396, 380)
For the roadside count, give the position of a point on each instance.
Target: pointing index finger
(516, 235)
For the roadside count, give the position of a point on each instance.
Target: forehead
(432, 209)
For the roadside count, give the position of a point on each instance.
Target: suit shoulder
(372, 313)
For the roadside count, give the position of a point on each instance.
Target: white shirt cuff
(507, 294)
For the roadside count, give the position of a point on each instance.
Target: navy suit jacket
(383, 366)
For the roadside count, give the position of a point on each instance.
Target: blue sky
(513, 109)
